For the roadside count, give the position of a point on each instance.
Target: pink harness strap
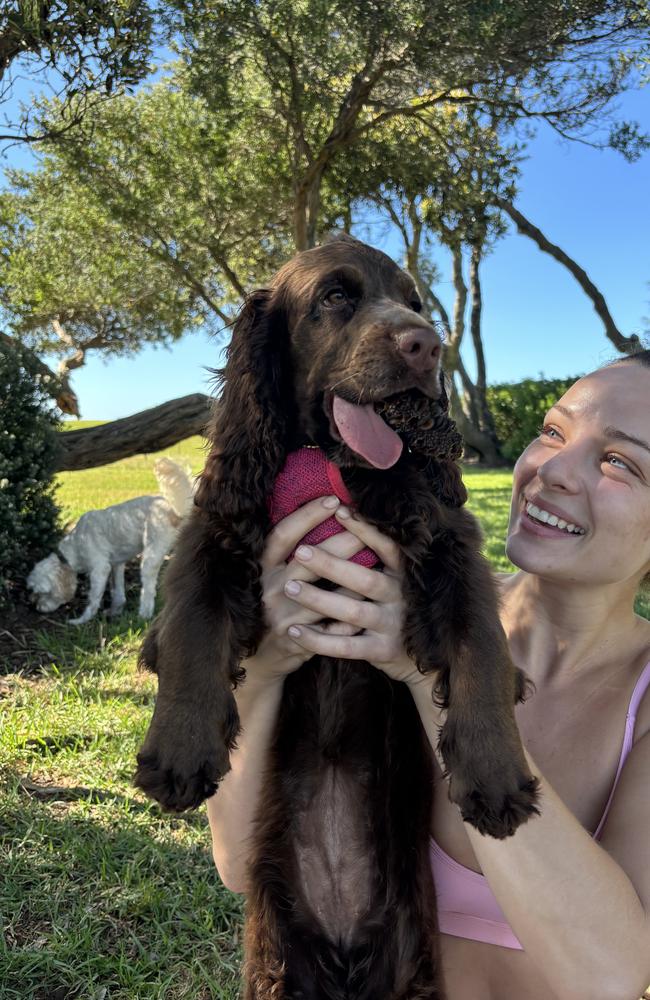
(466, 905)
(640, 689)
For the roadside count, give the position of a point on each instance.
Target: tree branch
(622, 343)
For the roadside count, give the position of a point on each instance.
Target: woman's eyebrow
(563, 409)
(609, 432)
(615, 432)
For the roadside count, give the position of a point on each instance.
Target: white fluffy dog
(102, 541)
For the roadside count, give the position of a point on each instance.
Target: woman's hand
(368, 601)
(278, 654)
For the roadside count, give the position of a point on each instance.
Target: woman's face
(581, 490)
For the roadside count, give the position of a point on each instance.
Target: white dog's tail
(176, 485)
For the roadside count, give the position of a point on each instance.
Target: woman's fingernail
(292, 587)
(344, 513)
(303, 552)
(294, 631)
(331, 502)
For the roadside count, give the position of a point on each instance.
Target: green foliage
(28, 513)
(67, 266)
(519, 409)
(87, 51)
(154, 221)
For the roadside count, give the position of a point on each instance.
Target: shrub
(519, 409)
(28, 513)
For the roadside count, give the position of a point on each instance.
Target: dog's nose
(420, 346)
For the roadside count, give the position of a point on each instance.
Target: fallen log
(142, 433)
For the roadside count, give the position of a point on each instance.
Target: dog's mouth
(364, 431)
(379, 431)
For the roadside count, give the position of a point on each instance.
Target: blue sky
(536, 319)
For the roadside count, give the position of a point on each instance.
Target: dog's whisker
(330, 388)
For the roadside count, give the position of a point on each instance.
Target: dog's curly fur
(350, 763)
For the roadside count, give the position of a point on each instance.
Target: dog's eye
(416, 305)
(335, 297)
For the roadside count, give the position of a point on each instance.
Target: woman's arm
(580, 910)
(232, 810)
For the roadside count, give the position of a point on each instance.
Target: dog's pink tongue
(365, 432)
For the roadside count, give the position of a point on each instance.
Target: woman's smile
(545, 520)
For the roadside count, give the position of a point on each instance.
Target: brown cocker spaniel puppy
(337, 340)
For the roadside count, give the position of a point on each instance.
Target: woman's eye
(335, 297)
(550, 432)
(620, 464)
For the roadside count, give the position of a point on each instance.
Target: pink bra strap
(640, 689)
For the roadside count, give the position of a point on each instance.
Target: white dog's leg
(149, 569)
(118, 596)
(98, 579)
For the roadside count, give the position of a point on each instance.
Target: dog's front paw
(490, 783)
(176, 786)
(496, 811)
(181, 765)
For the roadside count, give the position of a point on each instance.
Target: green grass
(101, 896)
(100, 892)
(92, 488)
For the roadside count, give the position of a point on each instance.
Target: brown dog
(337, 339)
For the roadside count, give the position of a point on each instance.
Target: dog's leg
(212, 616)
(460, 637)
(98, 579)
(118, 596)
(149, 570)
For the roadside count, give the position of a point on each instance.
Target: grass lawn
(102, 897)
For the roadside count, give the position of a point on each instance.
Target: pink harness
(466, 905)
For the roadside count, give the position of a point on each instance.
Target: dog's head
(356, 336)
(312, 360)
(52, 583)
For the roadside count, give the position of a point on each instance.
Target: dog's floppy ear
(252, 416)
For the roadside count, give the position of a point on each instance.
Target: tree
(86, 51)
(620, 341)
(274, 102)
(72, 281)
(326, 76)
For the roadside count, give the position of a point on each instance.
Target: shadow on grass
(110, 897)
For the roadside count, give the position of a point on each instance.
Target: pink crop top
(466, 905)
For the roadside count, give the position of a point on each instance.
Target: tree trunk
(473, 436)
(478, 392)
(148, 431)
(622, 343)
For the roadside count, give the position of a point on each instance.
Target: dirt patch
(24, 631)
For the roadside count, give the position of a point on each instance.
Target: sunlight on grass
(89, 489)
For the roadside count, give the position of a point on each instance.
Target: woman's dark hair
(641, 357)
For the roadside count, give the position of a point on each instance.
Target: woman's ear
(252, 416)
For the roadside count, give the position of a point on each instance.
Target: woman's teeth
(538, 514)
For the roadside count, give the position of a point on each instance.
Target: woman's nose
(560, 471)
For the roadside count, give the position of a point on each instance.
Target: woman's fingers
(283, 538)
(347, 647)
(371, 583)
(330, 604)
(385, 547)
